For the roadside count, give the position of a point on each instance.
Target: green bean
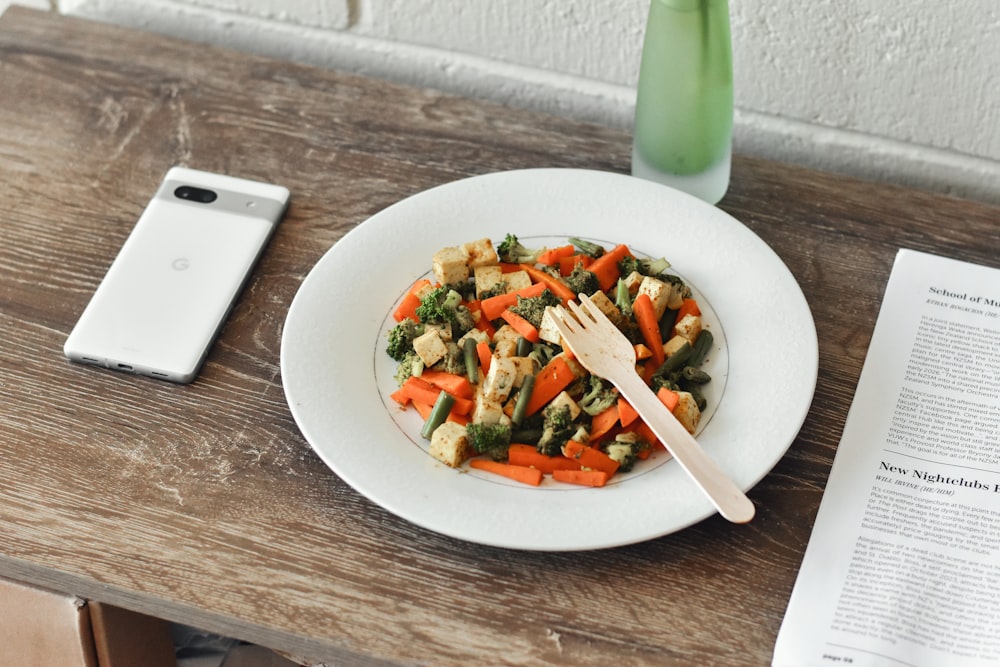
(702, 346)
(524, 346)
(695, 375)
(439, 413)
(471, 360)
(523, 396)
(699, 397)
(675, 361)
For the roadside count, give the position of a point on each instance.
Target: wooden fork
(606, 352)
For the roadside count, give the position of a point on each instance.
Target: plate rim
(535, 178)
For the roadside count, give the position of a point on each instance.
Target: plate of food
(418, 363)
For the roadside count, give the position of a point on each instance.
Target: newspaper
(903, 565)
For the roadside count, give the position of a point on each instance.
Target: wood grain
(203, 504)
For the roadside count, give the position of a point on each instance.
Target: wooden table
(203, 504)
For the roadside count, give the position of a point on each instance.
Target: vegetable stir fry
(481, 360)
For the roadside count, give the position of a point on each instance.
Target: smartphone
(175, 279)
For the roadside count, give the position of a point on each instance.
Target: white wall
(900, 90)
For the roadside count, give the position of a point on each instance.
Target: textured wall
(903, 90)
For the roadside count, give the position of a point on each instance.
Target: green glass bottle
(684, 102)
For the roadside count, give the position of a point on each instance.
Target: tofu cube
(687, 411)
(450, 444)
(564, 398)
(517, 280)
(486, 410)
(480, 253)
(477, 335)
(505, 349)
(525, 367)
(689, 327)
(606, 306)
(451, 265)
(632, 281)
(444, 330)
(674, 344)
(506, 333)
(658, 292)
(500, 379)
(547, 331)
(487, 278)
(430, 347)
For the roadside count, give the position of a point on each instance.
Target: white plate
(337, 376)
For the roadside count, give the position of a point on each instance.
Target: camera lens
(191, 193)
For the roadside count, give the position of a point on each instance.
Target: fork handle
(731, 502)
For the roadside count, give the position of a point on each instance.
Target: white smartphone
(167, 293)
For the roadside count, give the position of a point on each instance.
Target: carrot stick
(605, 267)
(594, 478)
(552, 256)
(521, 325)
(556, 376)
(522, 474)
(645, 317)
(529, 456)
(558, 287)
(407, 308)
(485, 356)
(626, 413)
(604, 421)
(456, 385)
(689, 306)
(492, 306)
(419, 286)
(567, 264)
(590, 457)
(669, 398)
(647, 434)
(421, 391)
(400, 397)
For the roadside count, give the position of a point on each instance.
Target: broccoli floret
(467, 289)
(439, 305)
(582, 281)
(599, 397)
(558, 427)
(587, 247)
(401, 338)
(645, 267)
(453, 361)
(625, 449)
(511, 250)
(493, 440)
(682, 288)
(463, 323)
(541, 354)
(410, 366)
(443, 305)
(532, 308)
(497, 289)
